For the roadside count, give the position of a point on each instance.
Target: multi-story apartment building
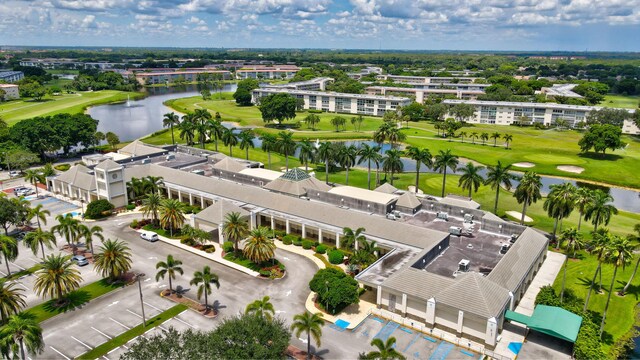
(11, 92)
(317, 84)
(426, 79)
(421, 94)
(267, 72)
(163, 77)
(11, 76)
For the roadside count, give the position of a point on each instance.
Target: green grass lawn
(125, 337)
(620, 101)
(16, 110)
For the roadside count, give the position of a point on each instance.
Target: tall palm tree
(311, 120)
(495, 136)
(528, 191)
(203, 279)
(259, 247)
(599, 209)
(311, 324)
(39, 214)
(633, 275)
(234, 228)
(261, 307)
(306, 153)
(484, 137)
(462, 134)
(473, 136)
(9, 250)
(507, 139)
(351, 238)
(57, 277)
(23, 207)
(559, 204)
(581, 200)
(269, 144)
(11, 299)
(68, 228)
(496, 176)
(395, 136)
(598, 246)
(347, 158)
(215, 130)
(420, 156)
(23, 330)
(113, 259)
(170, 120)
(202, 118)
(286, 145)
(443, 161)
(619, 254)
(246, 141)
(170, 268)
(151, 205)
(34, 177)
(229, 139)
(386, 350)
(89, 233)
(369, 153)
(392, 162)
(171, 214)
(574, 242)
(39, 237)
(382, 133)
(188, 128)
(325, 153)
(471, 179)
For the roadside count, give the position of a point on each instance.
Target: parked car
(25, 191)
(149, 236)
(19, 189)
(80, 260)
(14, 173)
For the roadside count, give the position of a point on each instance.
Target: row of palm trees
(259, 246)
(484, 136)
(203, 279)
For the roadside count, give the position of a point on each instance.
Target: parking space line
(85, 345)
(59, 353)
(113, 350)
(182, 321)
(140, 316)
(146, 303)
(105, 335)
(119, 323)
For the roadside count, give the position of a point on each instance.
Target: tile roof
(108, 165)
(138, 148)
(78, 176)
(408, 200)
(296, 187)
(474, 293)
(386, 188)
(229, 164)
(216, 212)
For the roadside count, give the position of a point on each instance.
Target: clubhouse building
(442, 262)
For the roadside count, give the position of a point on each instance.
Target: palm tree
(11, 299)
(507, 139)
(229, 139)
(484, 137)
(528, 191)
(113, 259)
(202, 118)
(471, 177)
(600, 209)
(369, 153)
(39, 237)
(581, 200)
(386, 350)
(352, 238)
(169, 268)
(169, 120)
(187, 128)
(204, 279)
(34, 177)
(559, 203)
(269, 144)
(574, 243)
(306, 153)
(347, 158)
(68, 228)
(633, 275)
(261, 307)
(444, 160)
(421, 156)
(473, 136)
(325, 153)
(235, 228)
(40, 214)
(311, 120)
(394, 136)
(619, 254)
(392, 162)
(246, 141)
(89, 233)
(496, 176)
(151, 205)
(9, 249)
(462, 135)
(171, 214)
(286, 145)
(259, 247)
(57, 277)
(311, 324)
(495, 136)
(23, 330)
(215, 130)
(598, 246)
(382, 133)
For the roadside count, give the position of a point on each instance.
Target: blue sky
(575, 25)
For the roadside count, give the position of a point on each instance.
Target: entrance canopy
(550, 320)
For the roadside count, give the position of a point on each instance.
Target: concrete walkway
(514, 332)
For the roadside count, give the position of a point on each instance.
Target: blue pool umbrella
(515, 347)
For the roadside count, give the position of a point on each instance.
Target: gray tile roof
(296, 188)
(476, 294)
(386, 188)
(418, 283)
(229, 164)
(408, 200)
(216, 212)
(460, 201)
(108, 165)
(138, 148)
(78, 176)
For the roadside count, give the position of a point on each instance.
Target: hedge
(98, 209)
(307, 244)
(321, 249)
(227, 247)
(336, 256)
(297, 241)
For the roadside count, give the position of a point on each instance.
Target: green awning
(550, 320)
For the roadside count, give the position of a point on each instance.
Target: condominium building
(267, 72)
(426, 79)
(421, 94)
(339, 102)
(163, 77)
(630, 127)
(560, 90)
(11, 76)
(11, 92)
(317, 84)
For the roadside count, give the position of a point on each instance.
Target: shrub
(62, 167)
(290, 237)
(314, 111)
(188, 241)
(287, 241)
(265, 273)
(227, 247)
(297, 241)
(321, 249)
(134, 224)
(307, 244)
(336, 256)
(98, 209)
(209, 249)
(131, 207)
(335, 289)
(279, 234)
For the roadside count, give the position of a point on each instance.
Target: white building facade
(11, 92)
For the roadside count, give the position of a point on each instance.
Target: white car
(24, 192)
(14, 173)
(149, 236)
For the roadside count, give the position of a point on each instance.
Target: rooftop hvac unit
(463, 265)
(396, 213)
(455, 230)
(442, 215)
(146, 161)
(170, 157)
(468, 218)
(198, 172)
(514, 237)
(390, 216)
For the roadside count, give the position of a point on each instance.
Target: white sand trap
(518, 215)
(570, 168)
(524, 165)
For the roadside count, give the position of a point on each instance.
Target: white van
(149, 236)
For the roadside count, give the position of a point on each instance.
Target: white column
(338, 240)
(252, 218)
(431, 312)
(356, 244)
(320, 235)
(404, 305)
(379, 296)
(191, 199)
(180, 195)
(220, 236)
(460, 321)
(192, 221)
(273, 223)
(168, 192)
(304, 231)
(202, 202)
(491, 333)
(287, 227)
(510, 301)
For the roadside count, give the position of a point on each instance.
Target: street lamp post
(82, 204)
(144, 319)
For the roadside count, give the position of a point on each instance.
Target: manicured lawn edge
(326, 263)
(128, 335)
(18, 274)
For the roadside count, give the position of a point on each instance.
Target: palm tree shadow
(633, 290)
(181, 291)
(217, 305)
(73, 300)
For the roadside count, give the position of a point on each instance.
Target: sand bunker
(524, 165)
(570, 168)
(518, 215)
